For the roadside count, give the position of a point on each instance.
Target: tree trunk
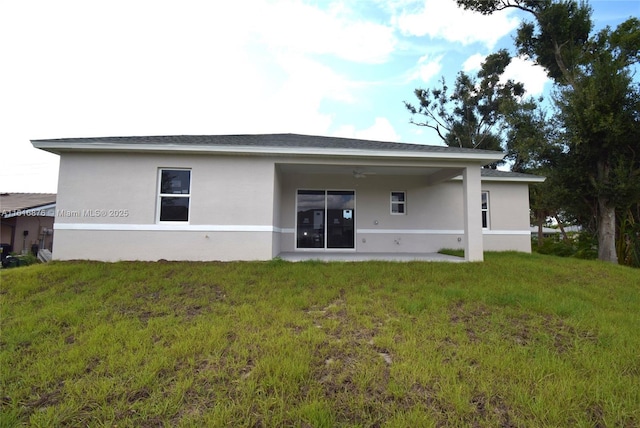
(606, 231)
(540, 231)
(564, 233)
(606, 218)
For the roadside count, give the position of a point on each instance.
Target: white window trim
(172, 195)
(487, 210)
(391, 202)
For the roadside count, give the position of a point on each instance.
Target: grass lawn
(517, 341)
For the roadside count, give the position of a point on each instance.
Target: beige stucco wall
(234, 194)
(508, 217)
(110, 245)
(224, 190)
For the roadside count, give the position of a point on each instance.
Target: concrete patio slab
(362, 257)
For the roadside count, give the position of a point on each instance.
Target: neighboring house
(546, 231)
(553, 231)
(26, 221)
(254, 197)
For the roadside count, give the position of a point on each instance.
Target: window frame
(402, 203)
(326, 246)
(484, 212)
(161, 195)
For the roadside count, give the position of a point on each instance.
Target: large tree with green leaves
(472, 113)
(532, 147)
(597, 99)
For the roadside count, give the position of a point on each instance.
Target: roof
(290, 144)
(489, 174)
(12, 204)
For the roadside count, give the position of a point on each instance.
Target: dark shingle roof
(291, 141)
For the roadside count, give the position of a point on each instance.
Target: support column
(472, 198)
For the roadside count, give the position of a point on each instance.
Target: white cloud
(294, 105)
(428, 68)
(473, 63)
(521, 69)
(381, 130)
(300, 27)
(526, 71)
(445, 20)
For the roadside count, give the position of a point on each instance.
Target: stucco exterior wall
(508, 217)
(153, 245)
(108, 203)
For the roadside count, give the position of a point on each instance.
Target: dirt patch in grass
(522, 329)
(43, 398)
(474, 319)
(565, 336)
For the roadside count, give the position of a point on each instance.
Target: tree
(556, 38)
(600, 118)
(532, 147)
(472, 114)
(597, 99)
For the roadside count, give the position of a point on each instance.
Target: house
(254, 197)
(546, 231)
(26, 221)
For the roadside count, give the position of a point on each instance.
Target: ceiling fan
(358, 173)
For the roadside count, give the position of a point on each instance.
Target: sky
(82, 68)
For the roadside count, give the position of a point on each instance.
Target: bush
(586, 246)
(16, 261)
(580, 245)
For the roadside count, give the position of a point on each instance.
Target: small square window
(398, 203)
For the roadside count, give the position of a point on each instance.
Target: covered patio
(342, 206)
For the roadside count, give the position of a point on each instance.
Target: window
(174, 194)
(398, 203)
(485, 210)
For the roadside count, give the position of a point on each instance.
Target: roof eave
(28, 211)
(483, 157)
(533, 179)
(508, 179)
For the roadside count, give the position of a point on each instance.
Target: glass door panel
(325, 219)
(340, 219)
(311, 218)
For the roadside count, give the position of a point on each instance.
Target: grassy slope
(519, 340)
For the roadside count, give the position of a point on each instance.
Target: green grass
(519, 340)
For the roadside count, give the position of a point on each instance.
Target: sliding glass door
(311, 218)
(325, 219)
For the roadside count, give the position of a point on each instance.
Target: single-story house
(26, 221)
(255, 197)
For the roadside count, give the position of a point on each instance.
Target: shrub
(580, 245)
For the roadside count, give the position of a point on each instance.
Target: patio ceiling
(432, 174)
